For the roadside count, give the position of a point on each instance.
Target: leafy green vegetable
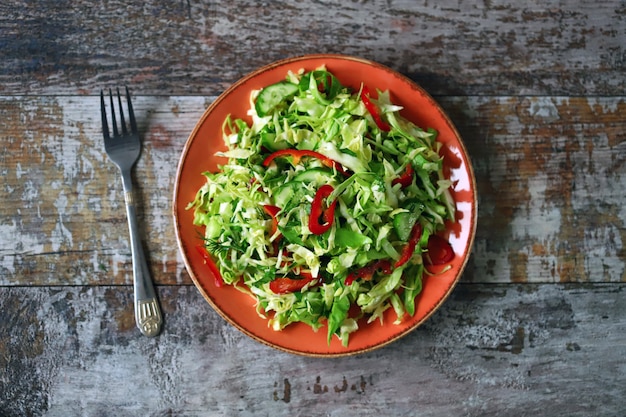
(309, 131)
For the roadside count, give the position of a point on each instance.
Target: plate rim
(472, 222)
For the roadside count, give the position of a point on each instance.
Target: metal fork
(124, 149)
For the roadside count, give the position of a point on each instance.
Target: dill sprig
(216, 247)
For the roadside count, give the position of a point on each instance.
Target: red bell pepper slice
(439, 250)
(272, 211)
(288, 285)
(367, 271)
(373, 110)
(320, 218)
(406, 178)
(208, 260)
(409, 248)
(297, 154)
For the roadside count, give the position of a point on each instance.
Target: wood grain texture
(515, 350)
(537, 325)
(201, 47)
(550, 170)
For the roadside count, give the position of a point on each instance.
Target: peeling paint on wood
(550, 174)
(551, 179)
(492, 349)
(201, 47)
(63, 220)
(537, 90)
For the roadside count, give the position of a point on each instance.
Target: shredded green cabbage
(332, 120)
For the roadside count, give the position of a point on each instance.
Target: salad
(328, 208)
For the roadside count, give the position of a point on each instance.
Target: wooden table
(537, 325)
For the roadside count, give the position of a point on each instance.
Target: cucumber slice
(315, 175)
(403, 222)
(284, 194)
(268, 140)
(289, 195)
(271, 96)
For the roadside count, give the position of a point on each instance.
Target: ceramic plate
(198, 156)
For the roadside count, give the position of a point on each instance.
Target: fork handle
(147, 310)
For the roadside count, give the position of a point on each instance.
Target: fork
(124, 149)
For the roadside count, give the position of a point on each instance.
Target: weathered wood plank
(63, 218)
(550, 174)
(507, 350)
(538, 324)
(200, 47)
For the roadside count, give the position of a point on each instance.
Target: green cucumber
(284, 194)
(289, 195)
(403, 222)
(326, 85)
(347, 238)
(268, 141)
(271, 96)
(315, 175)
(294, 190)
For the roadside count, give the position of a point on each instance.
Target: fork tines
(131, 114)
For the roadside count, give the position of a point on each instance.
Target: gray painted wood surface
(537, 325)
(200, 47)
(507, 350)
(550, 174)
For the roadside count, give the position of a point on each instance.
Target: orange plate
(198, 156)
